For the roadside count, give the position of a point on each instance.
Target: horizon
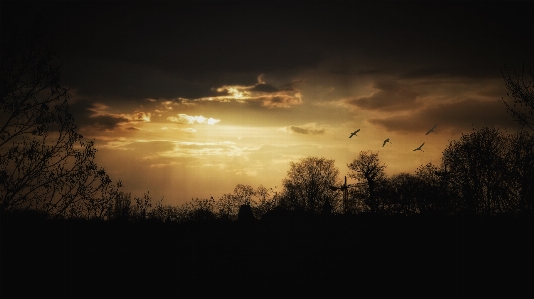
(189, 100)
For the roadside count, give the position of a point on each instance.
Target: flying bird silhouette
(431, 130)
(354, 133)
(386, 141)
(419, 148)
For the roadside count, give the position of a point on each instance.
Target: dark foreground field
(358, 255)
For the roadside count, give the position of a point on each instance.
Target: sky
(187, 100)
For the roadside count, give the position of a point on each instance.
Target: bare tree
(244, 194)
(522, 167)
(308, 184)
(521, 89)
(44, 163)
(367, 168)
(267, 200)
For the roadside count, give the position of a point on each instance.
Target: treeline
(486, 172)
(47, 169)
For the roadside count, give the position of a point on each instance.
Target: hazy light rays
(201, 149)
(188, 130)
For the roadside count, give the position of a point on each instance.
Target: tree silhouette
(198, 210)
(243, 194)
(122, 207)
(481, 172)
(367, 168)
(44, 163)
(521, 89)
(307, 184)
(403, 193)
(434, 194)
(267, 200)
(522, 165)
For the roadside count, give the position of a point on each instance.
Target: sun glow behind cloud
(188, 139)
(187, 119)
(269, 96)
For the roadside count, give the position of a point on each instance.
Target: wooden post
(345, 196)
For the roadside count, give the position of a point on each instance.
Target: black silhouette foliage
(521, 88)
(367, 169)
(308, 182)
(44, 163)
(488, 170)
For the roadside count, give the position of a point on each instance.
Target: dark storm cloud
(264, 88)
(389, 96)
(84, 116)
(132, 82)
(190, 38)
(89, 114)
(456, 117)
(105, 122)
(170, 50)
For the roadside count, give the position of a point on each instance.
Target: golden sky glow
(189, 101)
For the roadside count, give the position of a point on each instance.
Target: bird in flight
(419, 148)
(354, 133)
(386, 141)
(431, 130)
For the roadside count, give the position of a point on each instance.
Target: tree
(200, 210)
(367, 168)
(522, 167)
(434, 194)
(44, 163)
(266, 200)
(243, 194)
(481, 171)
(308, 182)
(403, 192)
(521, 89)
(122, 207)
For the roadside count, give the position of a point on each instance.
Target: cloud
(106, 122)
(138, 116)
(268, 95)
(89, 114)
(133, 129)
(187, 119)
(281, 101)
(308, 129)
(389, 96)
(109, 121)
(188, 130)
(262, 87)
(457, 116)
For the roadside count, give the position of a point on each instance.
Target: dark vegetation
(461, 225)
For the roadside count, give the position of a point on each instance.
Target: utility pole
(345, 189)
